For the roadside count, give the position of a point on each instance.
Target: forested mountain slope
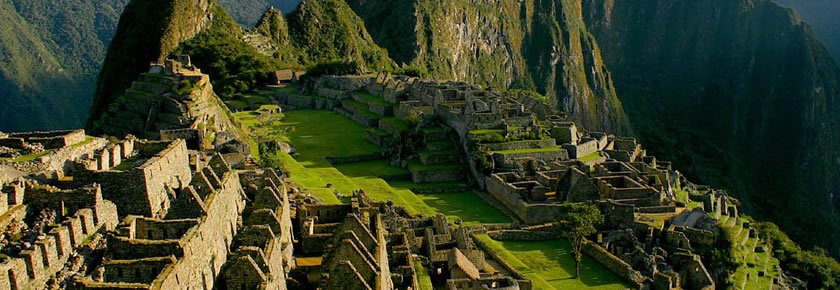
(51, 56)
(740, 94)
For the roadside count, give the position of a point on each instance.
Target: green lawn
(323, 133)
(590, 157)
(550, 266)
(423, 279)
(30, 157)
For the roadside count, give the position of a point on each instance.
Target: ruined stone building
(174, 99)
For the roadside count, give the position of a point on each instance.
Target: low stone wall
(517, 145)
(352, 159)
(433, 159)
(435, 176)
(344, 83)
(374, 107)
(508, 159)
(331, 93)
(522, 235)
(385, 126)
(614, 264)
(379, 140)
(657, 209)
(295, 101)
(524, 283)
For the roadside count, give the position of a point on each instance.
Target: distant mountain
(824, 17)
(247, 12)
(51, 55)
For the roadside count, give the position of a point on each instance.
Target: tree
(576, 222)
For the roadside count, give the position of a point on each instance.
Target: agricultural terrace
(320, 134)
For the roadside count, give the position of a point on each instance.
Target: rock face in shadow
(738, 92)
(539, 45)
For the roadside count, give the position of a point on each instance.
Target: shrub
(413, 71)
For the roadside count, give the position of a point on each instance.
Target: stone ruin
(174, 99)
(147, 214)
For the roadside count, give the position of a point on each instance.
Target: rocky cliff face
(148, 31)
(541, 45)
(738, 92)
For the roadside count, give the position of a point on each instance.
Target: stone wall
(57, 163)
(517, 145)
(522, 235)
(524, 283)
(615, 265)
(508, 159)
(438, 175)
(167, 169)
(48, 256)
(52, 139)
(582, 148)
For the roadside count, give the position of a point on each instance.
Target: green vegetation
(814, 266)
(591, 156)
(234, 66)
(550, 266)
(422, 276)
(326, 29)
(51, 57)
(29, 157)
(576, 222)
(315, 135)
(372, 99)
(396, 123)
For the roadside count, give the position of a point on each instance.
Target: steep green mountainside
(51, 54)
(824, 16)
(537, 45)
(738, 93)
(148, 31)
(324, 30)
(320, 31)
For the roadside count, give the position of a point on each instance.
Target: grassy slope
(322, 133)
(549, 265)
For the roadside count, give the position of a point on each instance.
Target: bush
(413, 71)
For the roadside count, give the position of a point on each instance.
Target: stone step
(442, 145)
(438, 157)
(376, 104)
(433, 134)
(421, 173)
